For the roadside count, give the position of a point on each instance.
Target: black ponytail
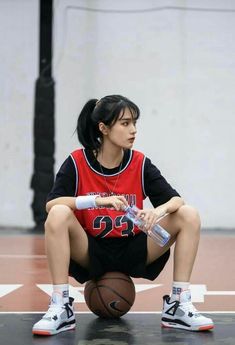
(107, 110)
(85, 128)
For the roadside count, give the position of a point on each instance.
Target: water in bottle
(157, 233)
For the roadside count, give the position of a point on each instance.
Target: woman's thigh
(62, 222)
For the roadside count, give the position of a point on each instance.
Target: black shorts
(127, 255)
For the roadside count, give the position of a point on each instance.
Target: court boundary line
(130, 312)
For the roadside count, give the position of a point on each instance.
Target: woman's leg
(64, 239)
(178, 311)
(184, 227)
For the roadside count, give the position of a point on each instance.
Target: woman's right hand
(116, 201)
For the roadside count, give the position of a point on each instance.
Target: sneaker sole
(53, 332)
(195, 328)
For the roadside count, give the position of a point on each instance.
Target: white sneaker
(58, 318)
(182, 314)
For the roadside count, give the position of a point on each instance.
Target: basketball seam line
(109, 311)
(111, 289)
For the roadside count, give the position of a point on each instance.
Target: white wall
(178, 66)
(18, 71)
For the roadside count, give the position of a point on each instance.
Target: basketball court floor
(25, 289)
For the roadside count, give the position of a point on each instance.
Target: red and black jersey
(107, 222)
(81, 173)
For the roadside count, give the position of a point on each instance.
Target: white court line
(220, 293)
(130, 312)
(21, 256)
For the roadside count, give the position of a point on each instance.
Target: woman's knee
(190, 216)
(57, 216)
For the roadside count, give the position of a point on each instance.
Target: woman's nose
(133, 128)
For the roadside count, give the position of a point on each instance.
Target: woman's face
(123, 132)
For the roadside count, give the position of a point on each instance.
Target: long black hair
(107, 110)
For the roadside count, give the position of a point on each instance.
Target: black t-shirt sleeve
(156, 187)
(65, 181)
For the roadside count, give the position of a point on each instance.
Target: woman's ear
(103, 128)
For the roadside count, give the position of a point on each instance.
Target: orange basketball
(110, 296)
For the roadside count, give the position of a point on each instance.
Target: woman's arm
(152, 216)
(170, 206)
(63, 200)
(156, 187)
(163, 197)
(89, 201)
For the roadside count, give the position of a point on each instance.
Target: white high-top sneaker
(182, 314)
(57, 319)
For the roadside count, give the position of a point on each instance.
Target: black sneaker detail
(66, 324)
(68, 309)
(166, 298)
(190, 314)
(179, 322)
(71, 299)
(173, 305)
(55, 317)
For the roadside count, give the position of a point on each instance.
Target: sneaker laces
(189, 307)
(52, 311)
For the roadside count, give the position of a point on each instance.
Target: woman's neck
(110, 158)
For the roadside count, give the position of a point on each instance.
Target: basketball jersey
(103, 221)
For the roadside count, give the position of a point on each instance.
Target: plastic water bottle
(157, 233)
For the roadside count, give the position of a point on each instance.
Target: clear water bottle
(157, 233)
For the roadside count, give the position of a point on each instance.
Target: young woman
(86, 232)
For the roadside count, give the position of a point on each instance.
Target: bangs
(119, 109)
(134, 113)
